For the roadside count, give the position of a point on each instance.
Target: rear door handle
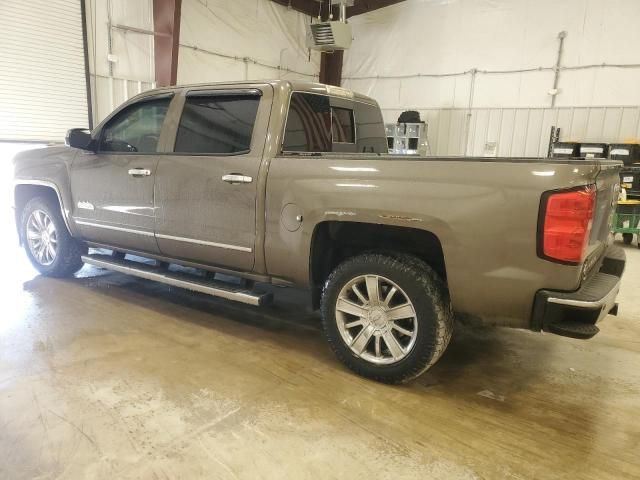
(139, 172)
(236, 178)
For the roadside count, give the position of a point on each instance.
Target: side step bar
(178, 279)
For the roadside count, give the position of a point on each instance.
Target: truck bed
(484, 212)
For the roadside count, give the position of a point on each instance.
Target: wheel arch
(25, 190)
(334, 241)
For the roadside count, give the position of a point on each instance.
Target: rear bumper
(575, 314)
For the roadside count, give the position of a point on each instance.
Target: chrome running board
(179, 279)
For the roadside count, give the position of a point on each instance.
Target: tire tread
(69, 255)
(428, 281)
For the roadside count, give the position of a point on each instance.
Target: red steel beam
(166, 27)
(308, 7)
(331, 67)
(312, 7)
(364, 6)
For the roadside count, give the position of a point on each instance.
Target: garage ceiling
(43, 85)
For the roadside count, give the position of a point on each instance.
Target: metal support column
(166, 25)
(331, 67)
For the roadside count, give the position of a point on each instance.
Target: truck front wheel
(386, 317)
(48, 244)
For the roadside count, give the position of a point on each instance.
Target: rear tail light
(566, 224)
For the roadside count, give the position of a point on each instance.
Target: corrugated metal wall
(499, 61)
(522, 131)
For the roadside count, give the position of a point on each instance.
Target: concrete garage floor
(106, 376)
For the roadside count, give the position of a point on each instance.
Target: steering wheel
(119, 146)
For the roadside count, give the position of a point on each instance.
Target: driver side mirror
(79, 138)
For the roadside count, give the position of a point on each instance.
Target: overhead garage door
(42, 70)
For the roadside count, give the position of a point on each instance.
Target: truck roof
(290, 85)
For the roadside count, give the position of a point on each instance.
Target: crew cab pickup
(290, 183)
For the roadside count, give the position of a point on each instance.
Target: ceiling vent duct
(330, 36)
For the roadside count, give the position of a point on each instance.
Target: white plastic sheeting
(243, 39)
(419, 55)
(442, 37)
(110, 25)
(258, 30)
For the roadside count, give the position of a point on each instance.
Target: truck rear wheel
(48, 244)
(386, 317)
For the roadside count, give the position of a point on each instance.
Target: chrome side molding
(195, 241)
(203, 242)
(110, 227)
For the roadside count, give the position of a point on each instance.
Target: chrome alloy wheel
(376, 319)
(42, 238)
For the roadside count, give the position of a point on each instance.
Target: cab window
(308, 127)
(217, 124)
(342, 125)
(136, 129)
(371, 137)
(320, 123)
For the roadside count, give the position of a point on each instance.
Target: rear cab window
(342, 125)
(308, 127)
(320, 123)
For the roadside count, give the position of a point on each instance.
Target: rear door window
(217, 123)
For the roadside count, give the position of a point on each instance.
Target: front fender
(46, 167)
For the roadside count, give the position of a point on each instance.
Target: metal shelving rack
(407, 138)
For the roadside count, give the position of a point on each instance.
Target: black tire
(627, 238)
(69, 251)
(424, 289)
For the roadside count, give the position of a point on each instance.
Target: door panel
(202, 218)
(206, 195)
(111, 206)
(113, 188)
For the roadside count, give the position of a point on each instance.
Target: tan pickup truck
(290, 183)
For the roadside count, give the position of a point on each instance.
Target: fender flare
(54, 187)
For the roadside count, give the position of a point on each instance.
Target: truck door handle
(236, 178)
(139, 172)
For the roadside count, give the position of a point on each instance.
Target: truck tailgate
(608, 185)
